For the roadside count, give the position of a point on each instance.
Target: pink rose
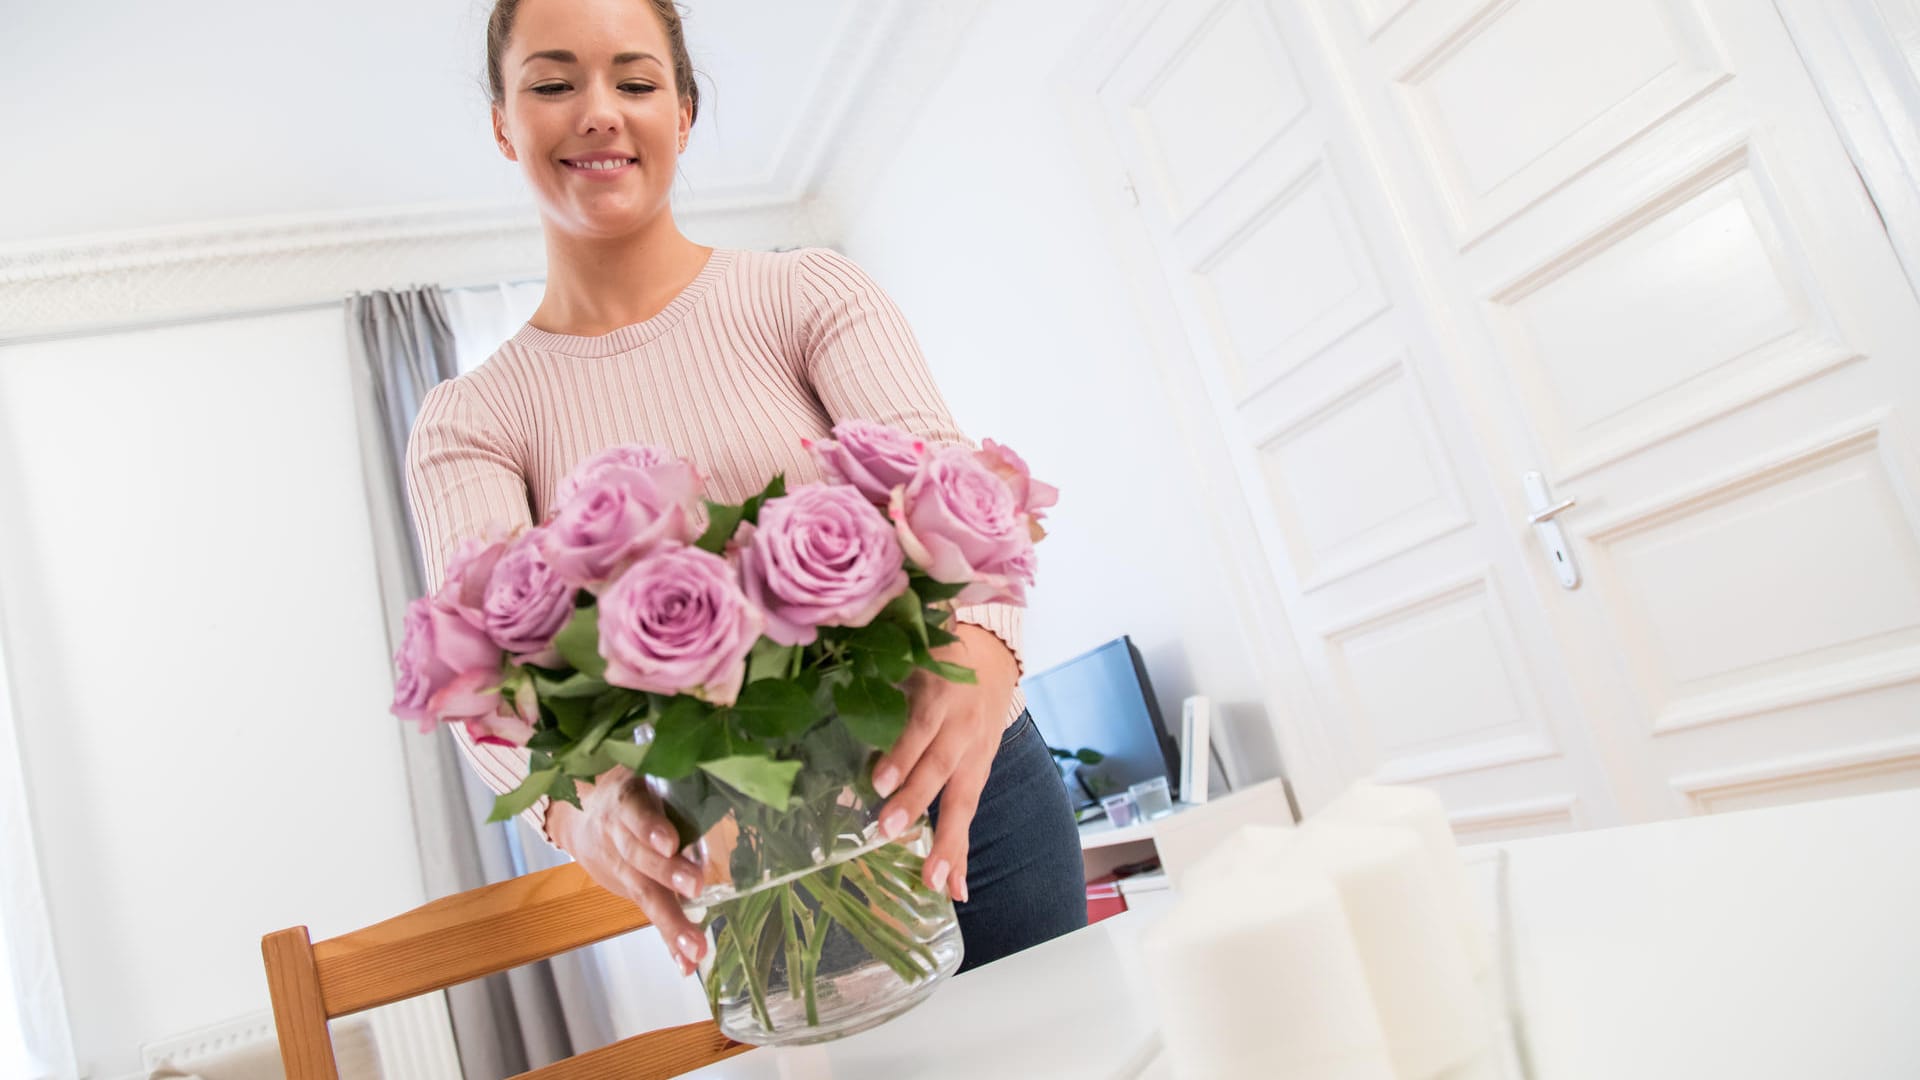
(526, 604)
(618, 515)
(872, 457)
(1030, 495)
(463, 587)
(631, 455)
(503, 725)
(446, 668)
(820, 556)
(676, 622)
(960, 522)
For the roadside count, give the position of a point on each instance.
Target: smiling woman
(735, 360)
(596, 124)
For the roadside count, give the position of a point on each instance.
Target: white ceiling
(122, 115)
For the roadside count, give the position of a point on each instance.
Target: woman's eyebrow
(566, 56)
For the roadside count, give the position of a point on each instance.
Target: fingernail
(689, 946)
(686, 965)
(893, 822)
(960, 889)
(886, 779)
(684, 883)
(663, 842)
(937, 876)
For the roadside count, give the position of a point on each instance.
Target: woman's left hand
(949, 743)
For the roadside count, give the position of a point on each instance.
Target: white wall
(980, 229)
(200, 672)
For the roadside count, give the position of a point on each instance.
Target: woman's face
(610, 95)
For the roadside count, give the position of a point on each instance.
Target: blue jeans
(1024, 878)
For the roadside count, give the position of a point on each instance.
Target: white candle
(1422, 811)
(1255, 974)
(1419, 974)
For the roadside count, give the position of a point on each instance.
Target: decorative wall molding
(1787, 779)
(97, 284)
(1508, 821)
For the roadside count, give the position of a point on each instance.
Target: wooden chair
(463, 937)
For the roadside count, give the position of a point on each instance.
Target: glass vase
(817, 927)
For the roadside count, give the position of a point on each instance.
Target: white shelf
(1101, 833)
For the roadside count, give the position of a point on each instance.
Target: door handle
(1547, 530)
(1550, 512)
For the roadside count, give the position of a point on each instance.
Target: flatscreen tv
(1102, 700)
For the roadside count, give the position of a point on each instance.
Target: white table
(1779, 944)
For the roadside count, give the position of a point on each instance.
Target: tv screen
(1102, 700)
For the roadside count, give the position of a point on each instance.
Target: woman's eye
(638, 88)
(550, 88)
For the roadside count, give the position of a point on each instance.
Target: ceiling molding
(889, 58)
(102, 283)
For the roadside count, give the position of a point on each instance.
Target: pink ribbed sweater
(760, 350)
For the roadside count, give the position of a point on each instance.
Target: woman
(730, 357)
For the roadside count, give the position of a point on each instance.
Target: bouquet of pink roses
(748, 659)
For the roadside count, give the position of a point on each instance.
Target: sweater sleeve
(462, 479)
(863, 362)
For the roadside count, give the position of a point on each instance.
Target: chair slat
(655, 1055)
(306, 1047)
(463, 937)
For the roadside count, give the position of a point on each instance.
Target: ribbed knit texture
(760, 350)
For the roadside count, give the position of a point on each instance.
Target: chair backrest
(455, 939)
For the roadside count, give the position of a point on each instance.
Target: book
(1196, 723)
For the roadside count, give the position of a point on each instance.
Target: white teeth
(600, 165)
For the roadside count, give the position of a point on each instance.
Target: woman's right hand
(620, 836)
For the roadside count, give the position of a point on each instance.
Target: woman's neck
(597, 286)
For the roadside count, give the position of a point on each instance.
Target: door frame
(1871, 93)
(1308, 763)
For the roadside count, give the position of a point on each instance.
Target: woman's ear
(500, 135)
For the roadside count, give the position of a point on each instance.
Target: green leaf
(549, 739)
(577, 685)
(909, 611)
(585, 758)
(625, 752)
(776, 488)
(769, 660)
(579, 642)
(873, 711)
(694, 805)
(760, 778)
(937, 637)
(722, 520)
(931, 590)
(954, 673)
(888, 645)
(677, 738)
(528, 793)
(772, 709)
(570, 715)
(564, 789)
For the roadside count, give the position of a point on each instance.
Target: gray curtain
(401, 345)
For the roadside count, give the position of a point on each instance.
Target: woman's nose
(597, 111)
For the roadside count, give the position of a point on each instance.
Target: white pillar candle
(1422, 811)
(1256, 975)
(1418, 971)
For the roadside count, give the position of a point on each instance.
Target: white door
(1432, 658)
(1659, 271)
(1423, 247)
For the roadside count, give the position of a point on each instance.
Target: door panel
(1660, 278)
(1427, 642)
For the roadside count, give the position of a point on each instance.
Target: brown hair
(500, 30)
